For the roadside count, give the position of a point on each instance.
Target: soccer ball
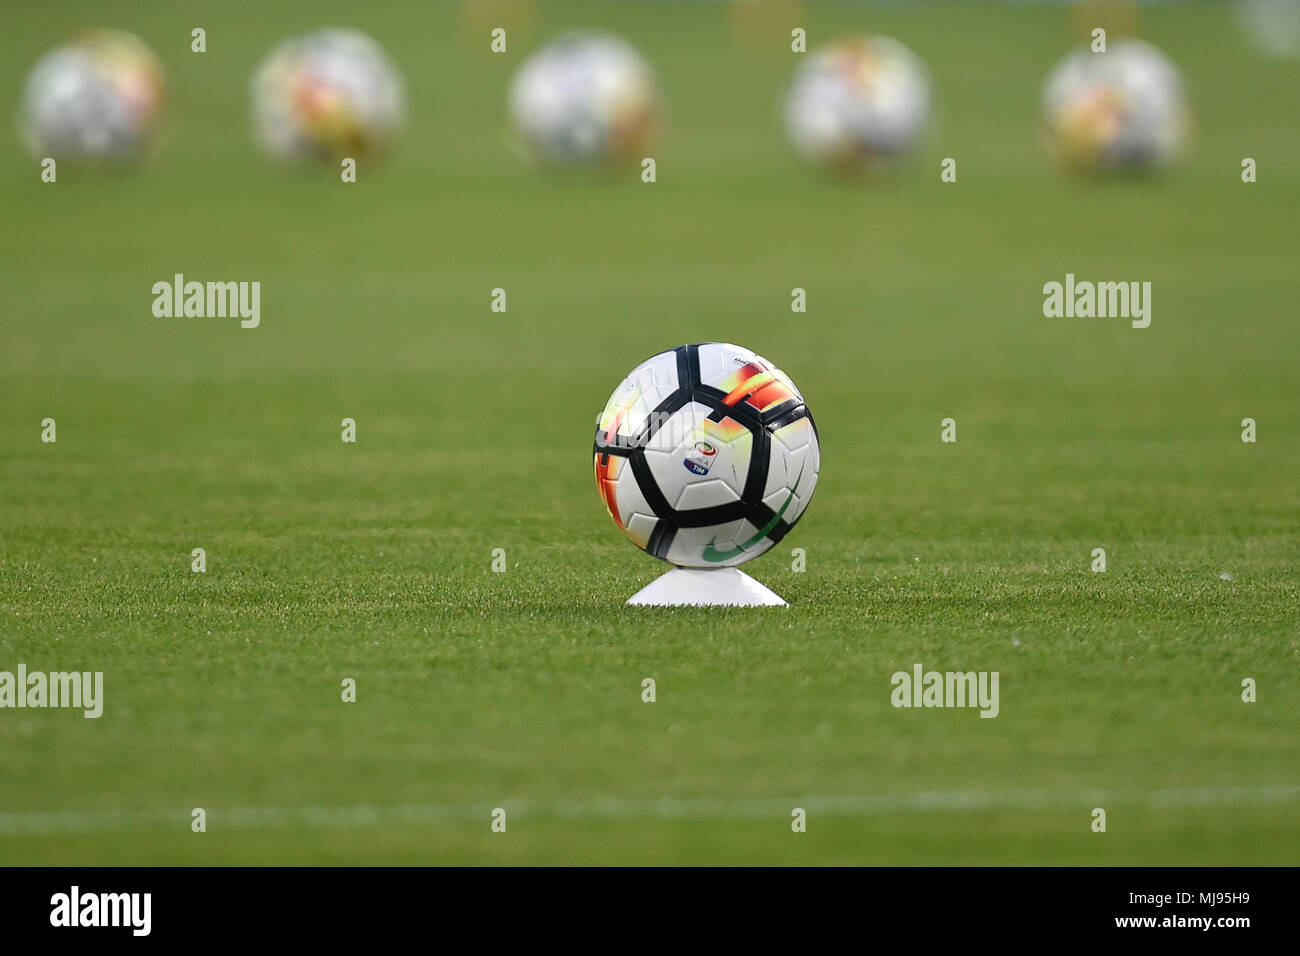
(706, 455)
(326, 95)
(859, 103)
(97, 98)
(1119, 110)
(584, 99)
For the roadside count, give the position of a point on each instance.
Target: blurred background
(474, 428)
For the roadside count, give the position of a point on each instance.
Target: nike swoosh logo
(713, 554)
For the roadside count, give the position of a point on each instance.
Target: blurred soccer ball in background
(857, 104)
(1271, 27)
(586, 98)
(1119, 110)
(98, 97)
(706, 455)
(325, 95)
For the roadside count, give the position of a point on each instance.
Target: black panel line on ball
(714, 514)
(662, 412)
(693, 376)
(661, 538)
(684, 379)
(760, 514)
(783, 415)
(713, 398)
(605, 448)
(759, 460)
(645, 481)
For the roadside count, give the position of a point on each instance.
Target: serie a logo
(700, 458)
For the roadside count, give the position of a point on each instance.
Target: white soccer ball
(327, 95)
(859, 103)
(586, 98)
(706, 455)
(1119, 110)
(98, 97)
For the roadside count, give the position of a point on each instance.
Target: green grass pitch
(522, 689)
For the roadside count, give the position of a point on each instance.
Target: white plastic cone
(706, 587)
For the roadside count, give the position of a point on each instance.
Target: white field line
(618, 809)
